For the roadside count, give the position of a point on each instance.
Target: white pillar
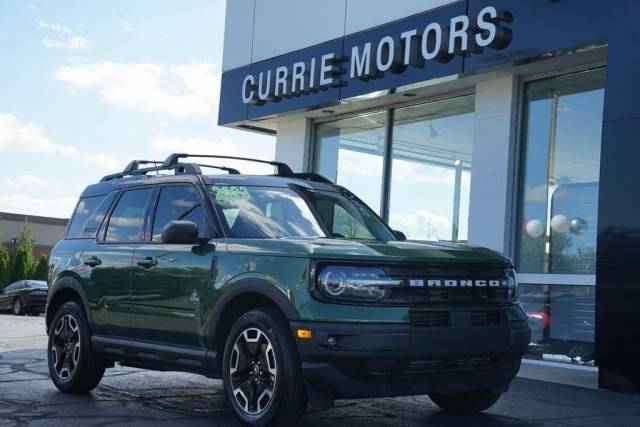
(292, 143)
(492, 200)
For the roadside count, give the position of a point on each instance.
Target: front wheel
(465, 403)
(261, 371)
(73, 366)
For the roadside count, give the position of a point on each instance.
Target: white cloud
(165, 145)
(62, 29)
(126, 25)
(31, 182)
(184, 90)
(19, 136)
(60, 207)
(74, 43)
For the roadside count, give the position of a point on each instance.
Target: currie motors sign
(392, 53)
(457, 38)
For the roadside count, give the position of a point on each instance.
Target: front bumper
(351, 360)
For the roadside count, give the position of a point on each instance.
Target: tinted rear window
(88, 216)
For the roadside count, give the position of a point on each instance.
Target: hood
(352, 250)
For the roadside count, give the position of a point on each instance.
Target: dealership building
(507, 124)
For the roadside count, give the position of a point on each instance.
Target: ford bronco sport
(286, 286)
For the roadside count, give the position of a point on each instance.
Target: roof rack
(282, 168)
(173, 163)
(182, 168)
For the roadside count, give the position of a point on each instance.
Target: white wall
(260, 29)
(238, 34)
(492, 196)
(365, 14)
(292, 144)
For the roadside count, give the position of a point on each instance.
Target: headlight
(355, 283)
(512, 291)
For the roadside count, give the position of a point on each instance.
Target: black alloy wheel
(262, 370)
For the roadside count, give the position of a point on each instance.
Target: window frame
(151, 213)
(102, 232)
(518, 180)
(387, 156)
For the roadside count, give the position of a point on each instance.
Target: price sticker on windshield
(230, 193)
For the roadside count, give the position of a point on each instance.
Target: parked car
(24, 297)
(287, 287)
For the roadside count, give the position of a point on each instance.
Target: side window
(178, 202)
(88, 216)
(347, 225)
(127, 219)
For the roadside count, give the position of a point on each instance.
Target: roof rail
(181, 168)
(310, 176)
(282, 168)
(135, 164)
(232, 171)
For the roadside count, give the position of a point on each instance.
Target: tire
(251, 372)
(17, 307)
(73, 366)
(465, 403)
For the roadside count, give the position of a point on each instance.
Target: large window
(561, 168)
(559, 212)
(431, 169)
(351, 152)
(425, 190)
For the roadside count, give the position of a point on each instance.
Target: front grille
(433, 365)
(488, 318)
(430, 319)
(419, 295)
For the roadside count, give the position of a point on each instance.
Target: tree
(41, 271)
(23, 258)
(5, 266)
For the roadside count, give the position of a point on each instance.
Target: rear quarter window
(88, 216)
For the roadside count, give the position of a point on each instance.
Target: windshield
(271, 213)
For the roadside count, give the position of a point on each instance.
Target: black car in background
(24, 296)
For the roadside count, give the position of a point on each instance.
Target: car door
(6, 297)
(172, 282)
(109, 257)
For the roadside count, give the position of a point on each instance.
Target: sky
(87, 86)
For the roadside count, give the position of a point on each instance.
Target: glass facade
(429, 162)
(561, 169)
(351, 152)
(431, 169)
(559, 210)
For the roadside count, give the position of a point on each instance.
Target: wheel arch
(242, 296)
(65, 289)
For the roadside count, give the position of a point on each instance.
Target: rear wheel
(18, 309)
(261, 371)
(73, 366)
(465, 403)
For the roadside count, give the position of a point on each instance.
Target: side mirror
(180, 232)
(400, 235)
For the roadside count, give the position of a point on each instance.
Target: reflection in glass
(431, 170)
(561, 164)
(178, 203)
(127, 218)
(273, 213)
(562, 321)
(350, 152)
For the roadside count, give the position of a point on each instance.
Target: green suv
(287, 287)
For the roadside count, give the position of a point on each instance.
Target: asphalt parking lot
(129, 396)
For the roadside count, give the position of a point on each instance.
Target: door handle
(148, 262)
(93, 261)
